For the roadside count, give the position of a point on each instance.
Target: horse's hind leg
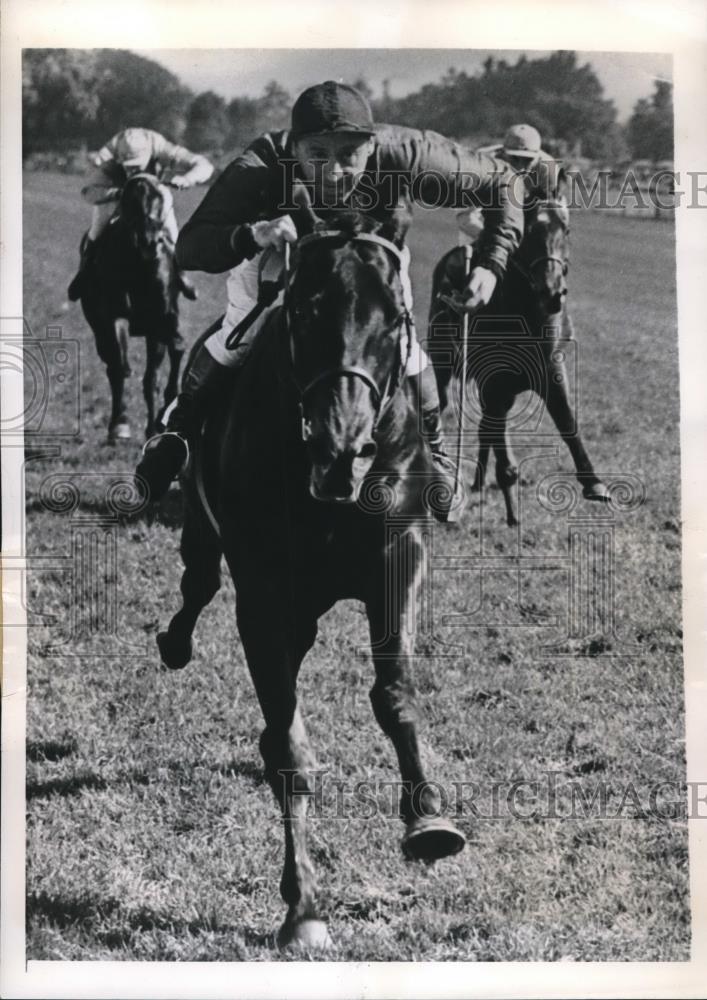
(155, 352)
(274, 649)
(201, 554)
(428, 834)
(109, 351)
(560, 409)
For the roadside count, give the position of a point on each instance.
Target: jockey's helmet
(523, 141)
(133, 148)
(331, 107)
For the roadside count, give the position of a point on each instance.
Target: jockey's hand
(180, 182)
(274, 232)
(479, 290)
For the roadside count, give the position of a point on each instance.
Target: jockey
(332, 147)
(135, 151)
(522, 150)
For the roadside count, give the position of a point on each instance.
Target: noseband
(402, 321)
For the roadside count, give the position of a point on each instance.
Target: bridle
(527, 270)
(403, 321)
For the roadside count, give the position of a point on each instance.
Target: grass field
(151, 835)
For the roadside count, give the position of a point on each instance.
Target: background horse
(318, 477)
(515, 344)
(133, 290)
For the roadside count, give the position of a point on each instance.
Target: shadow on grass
(241, 768)
(65, 786)
(169, 512)
(39, 751)
(88, 912)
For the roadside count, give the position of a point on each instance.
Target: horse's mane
(393, 225)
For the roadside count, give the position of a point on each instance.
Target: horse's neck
(514, 297)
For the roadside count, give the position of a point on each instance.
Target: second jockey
(135, 151)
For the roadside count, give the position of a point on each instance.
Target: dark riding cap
(331, 107)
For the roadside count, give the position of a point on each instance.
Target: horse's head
(346, 315)
(143, 210)
(543, 255)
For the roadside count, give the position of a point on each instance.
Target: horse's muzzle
(340, 481)
(552, 304)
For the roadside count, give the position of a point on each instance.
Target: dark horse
(515, 344)
(319, 479)
(133, 290)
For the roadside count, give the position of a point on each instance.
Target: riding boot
(165, 455)
(448, 501)
(75, 289)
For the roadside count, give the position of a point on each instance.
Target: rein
(527, 272)
(403, 321)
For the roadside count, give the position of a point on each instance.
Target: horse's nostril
(368, 450)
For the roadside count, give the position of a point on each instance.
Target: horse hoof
(596, 491)
(429, 838)
(305, 934)
(175, 656)
(120, 432)
(507, 477)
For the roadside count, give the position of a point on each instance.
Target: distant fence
(62, 163)
(642, 206)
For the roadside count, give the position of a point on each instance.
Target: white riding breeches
(242, 291)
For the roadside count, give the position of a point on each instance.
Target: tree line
(78, 98)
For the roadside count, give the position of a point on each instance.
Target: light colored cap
(522, 140)
(133, 148)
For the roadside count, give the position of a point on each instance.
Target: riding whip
(468, 249)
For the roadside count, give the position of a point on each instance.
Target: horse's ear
(305, 218)
(395, 226)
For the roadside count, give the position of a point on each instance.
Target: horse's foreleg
(201, 554)
(391, 616)
(175, 363)
(506, 464)
(493, 433)
(111, 354)
(155, 352)
(560, 409)
(482, 458)
(274, 651)
(122, 333)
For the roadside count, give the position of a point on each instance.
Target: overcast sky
(626, 76)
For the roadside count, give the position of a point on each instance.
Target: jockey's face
(332, 163)
(523, 164)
